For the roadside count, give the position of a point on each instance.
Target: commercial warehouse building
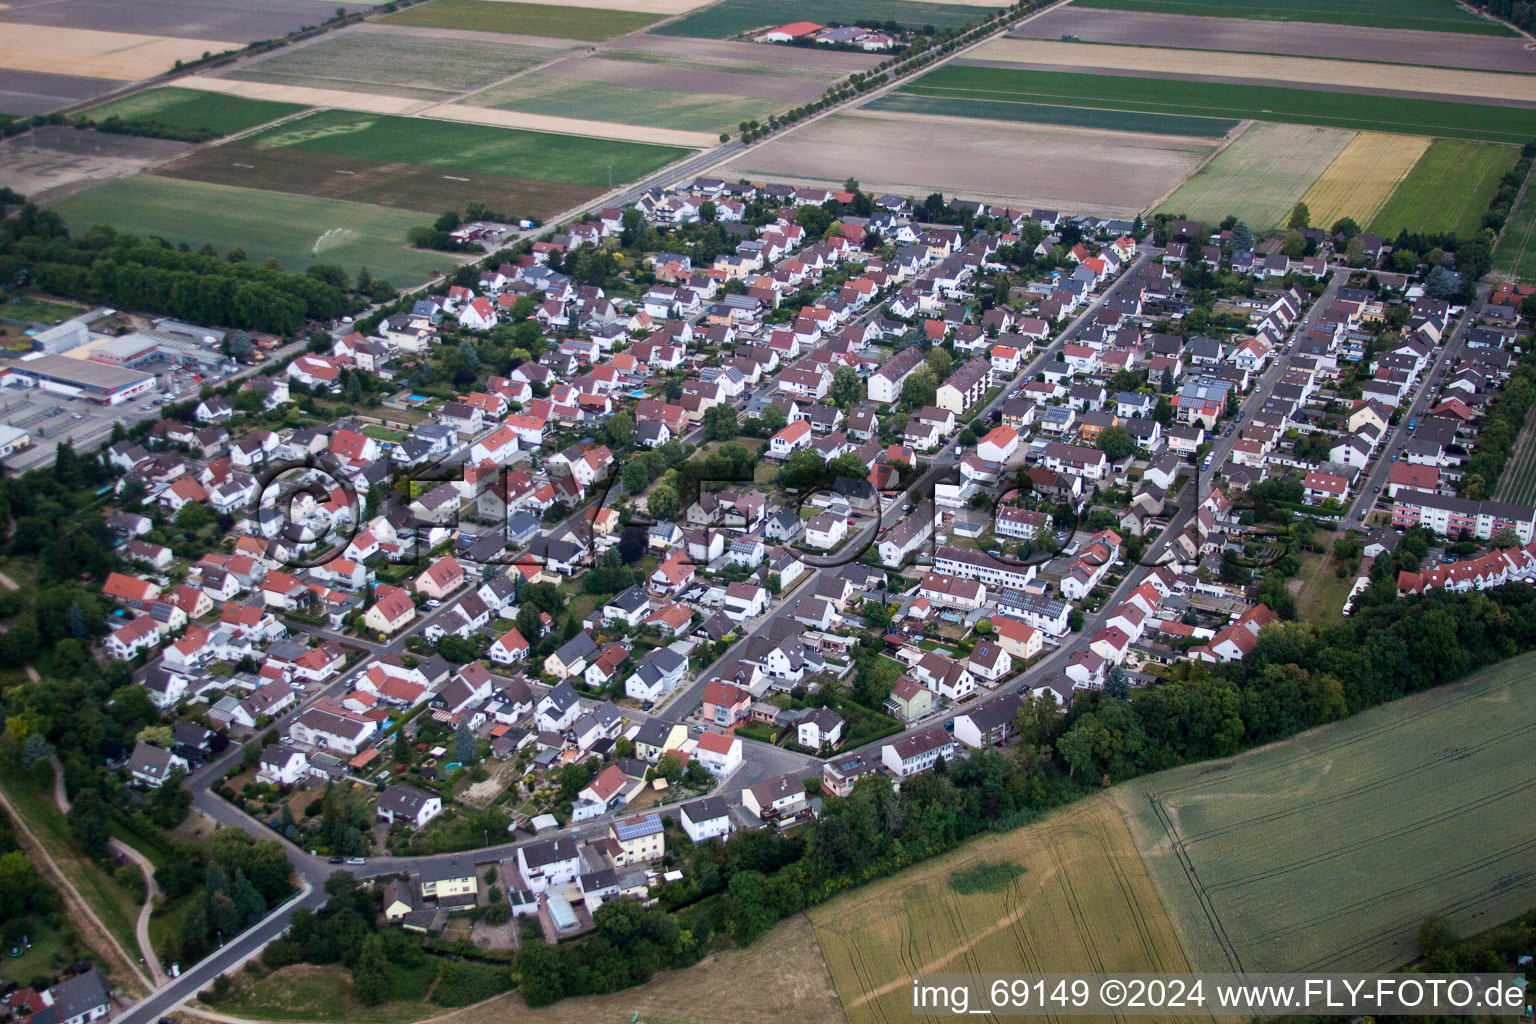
(78, 378)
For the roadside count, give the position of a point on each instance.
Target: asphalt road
(1375, 486)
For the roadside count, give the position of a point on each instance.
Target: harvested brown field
(1069, 893)
(50, 162)
(647, 75)
(1259, 68)
(309, 96)
(750, 57)
(25, 93)
(1248, 35)
(121, 56)
(398, 185)
(1114, 173)
(1360, 179)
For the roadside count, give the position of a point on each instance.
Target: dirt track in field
(399, 185)
(309, 96)
(1246, 35)
(573, 126)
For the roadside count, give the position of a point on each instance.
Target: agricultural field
(1474, 121)
(741, 58)
(1420, 806)
(737, 17)
(421, 64)
(1362, 178)
(1039, 113)
(1243, 35)
(1518, 484)
(1514, 258)
(1066, 894)
(243, 22)
(396, 185)
(467, 148)
(192, 110)
(592, 24)
(1260, 176)
(47, 162)
(1447, 190)
(1422, 15)
(119, 56)
(660, 108)
(1250, 68)
(294, 230)
(1114, 173)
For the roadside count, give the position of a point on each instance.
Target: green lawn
(1041, 113)
(295, 230)
(37, 311)
(587, 23)
(47, 944)
(1447, 190)
(1430, 15)
(1215, 99)
(1515, 256)
(193, 109)
(734, 17)
(567, 159)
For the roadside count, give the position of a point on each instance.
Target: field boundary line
(1243, 127)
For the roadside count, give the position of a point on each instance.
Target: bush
(461, 983)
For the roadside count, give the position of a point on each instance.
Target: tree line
(152, 276)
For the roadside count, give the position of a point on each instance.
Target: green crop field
(193, 109)
(624, 104)
(470, 147)
(294, 230)
(395, 62)
(734, 17)
(1447, 190)
(1218, 99)
(1063, 892)
(1518, 485)
(1421, 806)
(589, 23)
(1431, 15)
(1260, 176)
(1514, 258)
(1040, 113)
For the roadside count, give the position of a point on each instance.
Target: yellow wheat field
(1083, 903)
(1361, 178)
(123, 56)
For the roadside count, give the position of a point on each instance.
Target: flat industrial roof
(82, 372)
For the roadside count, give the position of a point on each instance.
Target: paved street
(1374, 487)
